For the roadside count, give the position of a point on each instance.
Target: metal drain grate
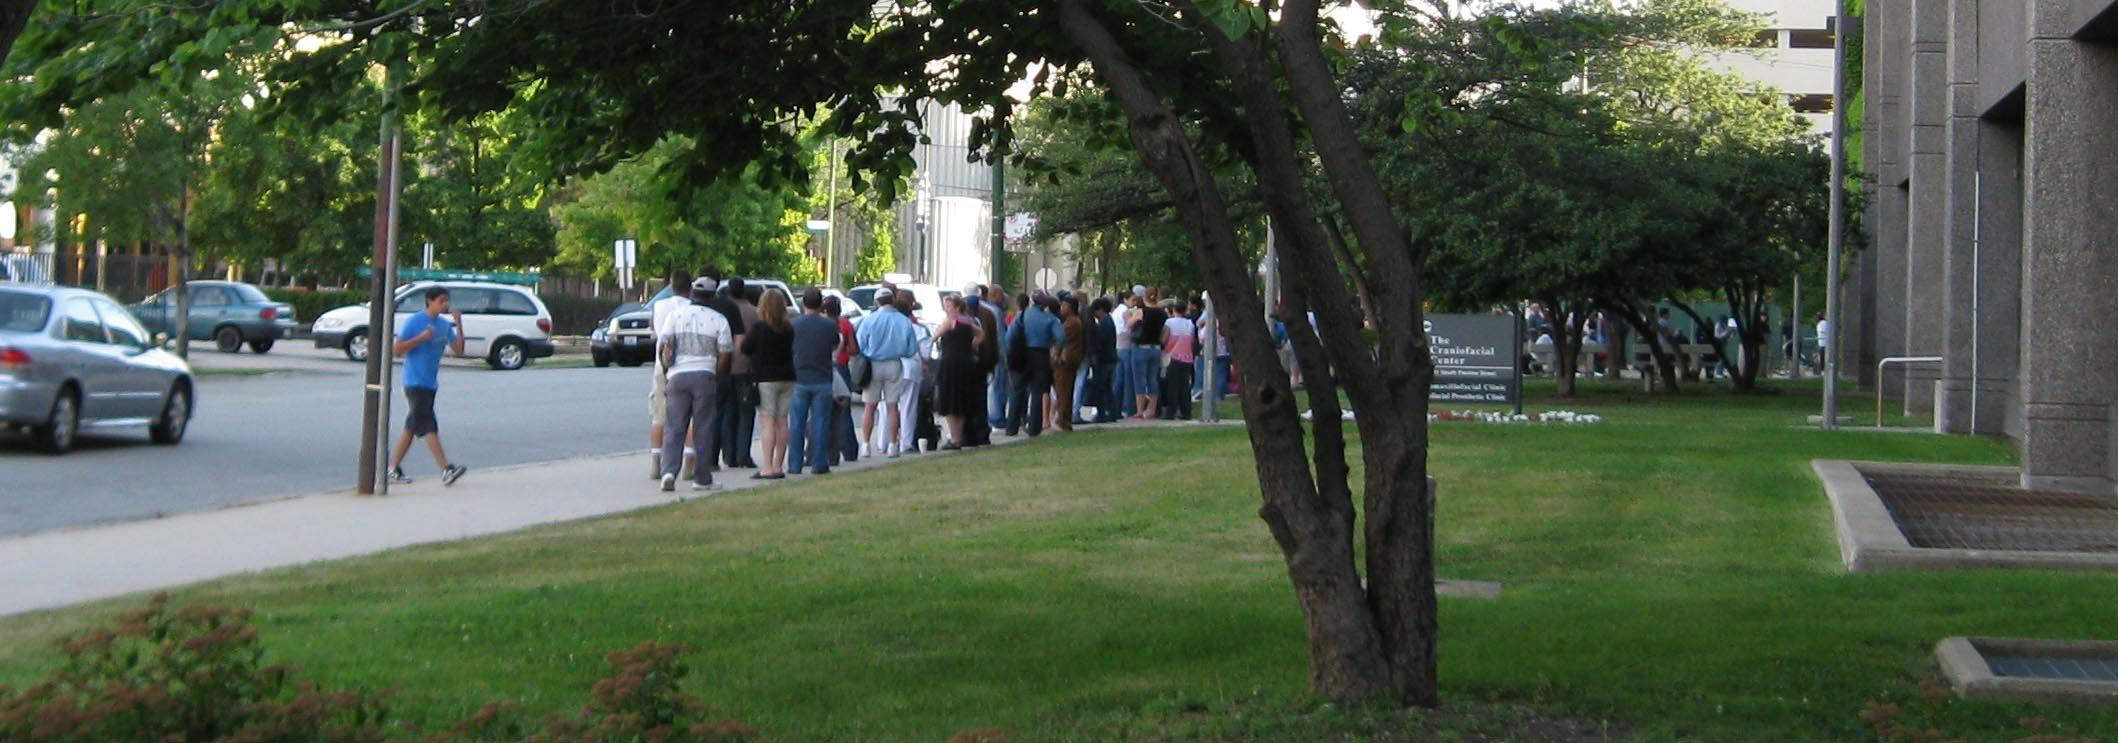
(2037, 667)
(1966, 512)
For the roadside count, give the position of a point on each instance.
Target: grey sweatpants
(691, 399)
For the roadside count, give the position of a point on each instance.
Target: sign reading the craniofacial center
(1474, 358)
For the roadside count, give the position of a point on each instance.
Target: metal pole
(389, 282)
(379, 309)
(1211, 342)
(1838, 220)
(1794, 332)
(1515, 358)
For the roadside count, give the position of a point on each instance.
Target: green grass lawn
(1670, 571)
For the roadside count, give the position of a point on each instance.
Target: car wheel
(601, 359)
(261, 346)
(176, 417)
(57, 436)
(357, 345)
(228, 340)
(508, 355)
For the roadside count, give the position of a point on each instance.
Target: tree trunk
(14, 17)
(1567, 342)
(1665, 366)
(1720, 348)
(1312, 525)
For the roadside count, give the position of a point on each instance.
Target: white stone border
(1963, 660)
(1870, 540)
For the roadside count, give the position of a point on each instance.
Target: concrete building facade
(1992, 149)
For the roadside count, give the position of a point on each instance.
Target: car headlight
(329, 323)
(598, 335)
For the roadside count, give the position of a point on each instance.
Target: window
(23, 312)
(507, 302)
(208, 296)
(1813, 103)
(247, 294)
(1810, 38)
(124, 330)
(82, 324)
(471, 301)
(412, 301)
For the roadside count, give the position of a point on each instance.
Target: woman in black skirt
(959, 388)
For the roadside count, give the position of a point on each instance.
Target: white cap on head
(1139, 290)
(884, 295)
(704, 284)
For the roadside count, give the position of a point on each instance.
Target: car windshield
(23, 312)
(248, 294)
(865, 297)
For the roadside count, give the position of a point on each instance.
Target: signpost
(1476, 359)
(625, 255)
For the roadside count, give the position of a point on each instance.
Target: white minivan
(507, 325)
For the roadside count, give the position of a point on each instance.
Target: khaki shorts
(886, 382)
(658, 398)
(774, 399)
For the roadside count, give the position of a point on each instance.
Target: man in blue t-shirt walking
(421, 343)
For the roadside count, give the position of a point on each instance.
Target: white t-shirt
(658, 315)
(1118, 315)
(700, 335)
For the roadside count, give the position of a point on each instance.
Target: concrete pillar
(2070, 169)
(1927, 160)
(1887, 29)
(1983, 238)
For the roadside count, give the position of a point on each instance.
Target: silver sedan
(73, 358)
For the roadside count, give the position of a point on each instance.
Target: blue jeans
(1147, 371)
(1080, 389)
(1101, 393)
(1222, 384)
(809, 429)
(737, 422)
(996, 398)
(1121, 386)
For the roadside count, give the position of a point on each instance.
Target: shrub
(197, 675)
(577, 315)
(308, 305)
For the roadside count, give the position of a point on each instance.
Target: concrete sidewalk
(60, 568)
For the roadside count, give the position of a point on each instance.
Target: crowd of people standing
(735, 366)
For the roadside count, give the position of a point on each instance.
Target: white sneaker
(669, 482)
(656, 456)
(893, 452)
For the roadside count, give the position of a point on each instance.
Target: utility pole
(380, 307)
(831, 215)
(1829, 347)
(999, 238)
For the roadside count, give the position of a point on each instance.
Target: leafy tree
(464, 193)
(735, 220)
(735, 79)
(299, 193)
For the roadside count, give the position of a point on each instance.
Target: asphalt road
(296, 432)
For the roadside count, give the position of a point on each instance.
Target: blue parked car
(229, 313)
(73, 359)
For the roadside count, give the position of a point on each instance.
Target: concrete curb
(1963, 661)
(1870, 540)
